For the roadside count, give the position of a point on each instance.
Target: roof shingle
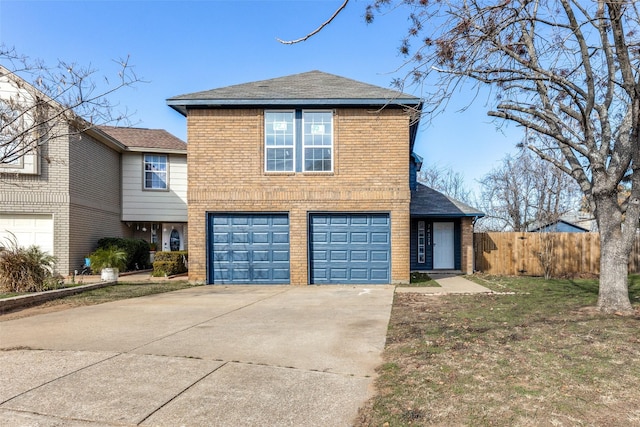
(144, 138)
(425, 201)
(313, 87)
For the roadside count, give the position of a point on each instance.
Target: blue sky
(188, 46)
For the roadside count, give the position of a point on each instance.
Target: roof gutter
(182, 105)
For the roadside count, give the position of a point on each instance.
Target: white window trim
(144, 172)
(267, 147)
(330, 112)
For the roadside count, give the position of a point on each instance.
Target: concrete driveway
(205, 356)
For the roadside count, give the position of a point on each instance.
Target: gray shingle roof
(144, 138)
(310, 88)
(426, 201)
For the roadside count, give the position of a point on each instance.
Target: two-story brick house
(66, 192)
(304, 179)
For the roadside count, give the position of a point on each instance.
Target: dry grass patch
(542, 356)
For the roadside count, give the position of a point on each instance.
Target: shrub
(170, 263)
(27, 269)
(111, 257)
(137, 250)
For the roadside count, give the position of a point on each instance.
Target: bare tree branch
(317, 30)
(42, 103)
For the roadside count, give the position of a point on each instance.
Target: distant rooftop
(311, 88)
(133, 138)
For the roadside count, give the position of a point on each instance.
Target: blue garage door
(349, 248)
(248, 248)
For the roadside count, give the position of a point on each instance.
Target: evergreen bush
(170, 263)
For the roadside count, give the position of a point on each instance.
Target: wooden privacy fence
(528, 254)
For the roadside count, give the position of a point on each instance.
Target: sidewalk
(449, 285)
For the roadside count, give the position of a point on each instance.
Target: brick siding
(226, 174)
(79, 185)
(467, 245)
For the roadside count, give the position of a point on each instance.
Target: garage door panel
(380, 220)
(382, 256)
(258, 238)
(280, 256)
(382, 274)
(281, 237)
(260, 256)
(339, 237)
(338, 256)
(380, 237)
(281, 274)
(283, 220)
(359, 274)
(360, 237)
(320, 237)
(359, 255)
(349, 248)
(249, 249)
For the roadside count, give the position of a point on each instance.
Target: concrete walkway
(448, 285)
(209, 355)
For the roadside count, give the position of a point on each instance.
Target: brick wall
(45, 193)
(226, 174)
(466, 226)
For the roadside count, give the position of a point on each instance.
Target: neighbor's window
(318, 141)
(279, 131)
(155, 172)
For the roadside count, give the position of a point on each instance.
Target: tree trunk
(613, 295)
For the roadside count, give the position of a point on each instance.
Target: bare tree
(566, 70)
(446, 181)
(36, 98)
(525, 191)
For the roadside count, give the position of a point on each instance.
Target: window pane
(279, 128)
(155, 175)
(317, 159)
(280, 159)
(318, 132)
(279, 131)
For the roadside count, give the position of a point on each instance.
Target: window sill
(156, 189)
(267, 173)
(318, 173)
(279, 173)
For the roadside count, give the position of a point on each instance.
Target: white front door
(174, 237)
(443, 247)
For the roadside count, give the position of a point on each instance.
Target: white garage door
(28, 229)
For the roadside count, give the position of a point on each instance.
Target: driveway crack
(187, 388)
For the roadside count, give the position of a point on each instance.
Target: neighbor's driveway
(212, 355)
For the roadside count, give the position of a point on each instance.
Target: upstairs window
(155, 172)
(318, 141)
(298, 141)
(279, 141)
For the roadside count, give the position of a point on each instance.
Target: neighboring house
(68, 192)
(560, 226)
(308, 179)
(154, 185)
